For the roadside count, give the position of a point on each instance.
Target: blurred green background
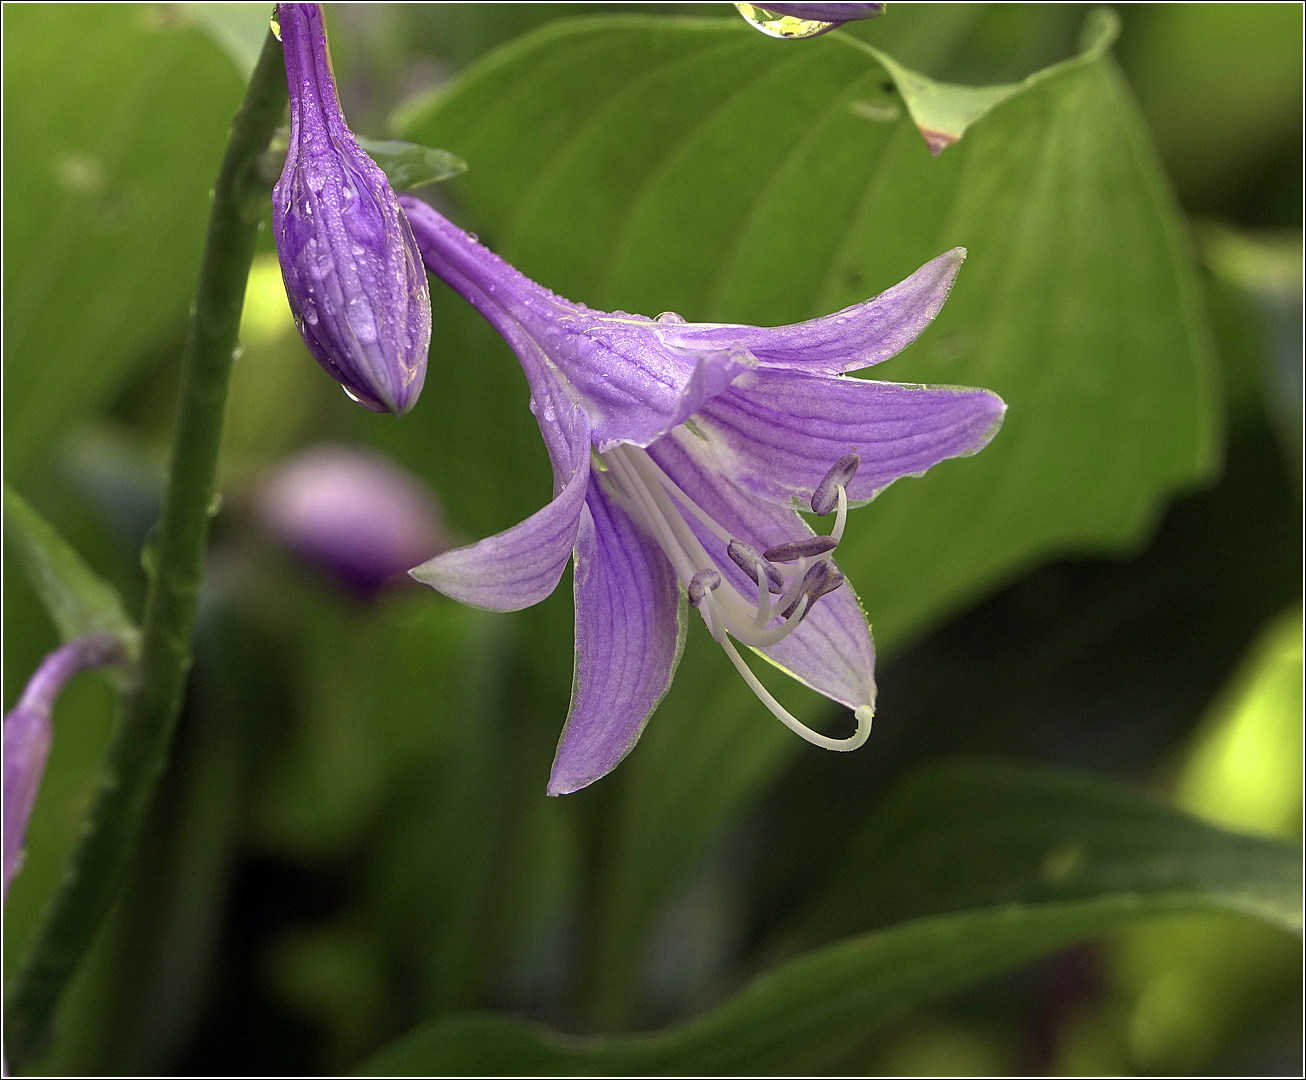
(354, 838)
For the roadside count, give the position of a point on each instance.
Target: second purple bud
(353, 275)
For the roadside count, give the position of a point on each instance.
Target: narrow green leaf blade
(78, 601)
(971, 833)
(1134, 860)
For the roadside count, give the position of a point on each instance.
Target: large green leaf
(78, 601)
(693, 165)
(1014, 861)
(115, 118)
(967, 834)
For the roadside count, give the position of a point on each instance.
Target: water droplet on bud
(788, 27)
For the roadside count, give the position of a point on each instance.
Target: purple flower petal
(636, 377)
(522, 566)
(849, 340)
(778, 432)
(630, 629)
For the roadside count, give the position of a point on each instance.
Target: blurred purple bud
(28, 733)
(351, 513)
(353, 274)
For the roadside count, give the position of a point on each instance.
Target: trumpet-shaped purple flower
(353, 275)
(682, 454)
(28, 734)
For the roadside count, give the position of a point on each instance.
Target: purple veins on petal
(629, 635)
(681, 454)
(353, 274)
(28, 734)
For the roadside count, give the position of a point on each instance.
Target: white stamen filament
(659, 505)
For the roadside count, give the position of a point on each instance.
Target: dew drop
(670, 317)
(237, 352)
(352, 396)
(783, 26)
(274, 25)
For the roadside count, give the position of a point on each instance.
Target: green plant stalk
(139, 754)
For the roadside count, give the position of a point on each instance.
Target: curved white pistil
(658, 504)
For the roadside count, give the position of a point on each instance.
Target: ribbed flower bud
(352, 270)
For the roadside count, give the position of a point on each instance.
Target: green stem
(139, 753)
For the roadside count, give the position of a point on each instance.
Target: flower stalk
(139, 753)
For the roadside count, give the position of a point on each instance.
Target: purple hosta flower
(682, 454)
(352, 271)
(351, 513)
(28, 734)
(805, 20)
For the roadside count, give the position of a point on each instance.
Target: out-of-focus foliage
(114, 125)
(353, 842)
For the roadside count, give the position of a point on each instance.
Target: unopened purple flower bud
(28, 733)
(352, 270)
(351, 513)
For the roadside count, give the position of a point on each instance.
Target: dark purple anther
(28, 734)
(820, 579)
(794, 550)
(826, 496)
(748, 558)
(352, 270)
(352, 514)
(701, 584)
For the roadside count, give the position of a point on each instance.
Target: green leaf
(943, 111)
(115, 121)
(694, 165)
(408, 165)
(967, 834)
(78, 601)
(238, 29)
(1017, 862)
